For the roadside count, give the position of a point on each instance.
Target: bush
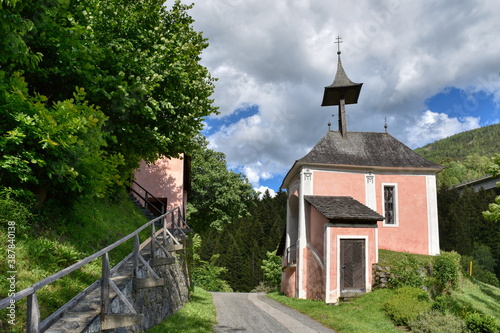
(446, 271)
(406, 304)
(440, 304)
(263, 288)
(437, 322)
(53, 145)
(480, 323)
(14, 210)
(207, 276)
(485, 276)
(272, 270)
(409, 272)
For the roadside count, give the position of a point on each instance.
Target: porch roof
(343, 208)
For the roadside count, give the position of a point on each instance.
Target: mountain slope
(484, 141)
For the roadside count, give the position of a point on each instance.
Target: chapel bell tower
(341, 92)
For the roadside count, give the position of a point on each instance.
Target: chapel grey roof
(343, 208)
(365, 149)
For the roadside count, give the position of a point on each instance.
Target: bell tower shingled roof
(341, 92)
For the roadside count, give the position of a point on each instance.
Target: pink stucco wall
(315, 282)
(317, 231)
(164, 179)
(288, 282)
(411, 234)
(340, 183)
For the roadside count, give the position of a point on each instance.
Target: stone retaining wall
(381, 276)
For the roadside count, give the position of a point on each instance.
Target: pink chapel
(353, 194)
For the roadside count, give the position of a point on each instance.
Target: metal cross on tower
(339, 40)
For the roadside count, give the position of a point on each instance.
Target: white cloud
(262, 190)
(432, 126)
(279, 55)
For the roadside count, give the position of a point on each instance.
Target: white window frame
(396, 204)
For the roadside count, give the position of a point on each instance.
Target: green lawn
(197, 316)
(475, 296)
(364, 314)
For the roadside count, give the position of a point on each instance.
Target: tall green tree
(137, 60)
(463, 228)
(134, 66)
(219, 196)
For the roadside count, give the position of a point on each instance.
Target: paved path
(255, 312)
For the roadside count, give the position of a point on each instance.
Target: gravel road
(255, 312)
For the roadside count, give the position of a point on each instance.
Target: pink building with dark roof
(352, 194)
(164, 184)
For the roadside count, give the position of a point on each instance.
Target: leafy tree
(138, 61)
(272, 269)
(218, 196)
(140, 90)
(57, 144)
(456, 214)
(207, 274)
(13, 28)
(463, 228)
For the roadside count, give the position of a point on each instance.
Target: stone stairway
(153, 298)
(149, 215)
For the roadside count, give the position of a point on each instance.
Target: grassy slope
(475, 296)
(198, 316)
(60, 237)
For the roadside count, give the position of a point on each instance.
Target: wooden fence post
(153, 231)
(104, 286)
(136, 256)
(33, 320)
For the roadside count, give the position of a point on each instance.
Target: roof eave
(299, 164)
(370, 167)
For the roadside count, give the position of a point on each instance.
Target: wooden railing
(148, 203)
(33, 324)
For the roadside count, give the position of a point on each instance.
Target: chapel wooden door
(352, 266)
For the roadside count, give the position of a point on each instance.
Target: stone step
(147, 283)
(162, 261)
(117, 320)
(174, 247)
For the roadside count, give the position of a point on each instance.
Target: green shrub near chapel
(446, 271)
(481, 323)
(437, 322)
(409, 271)
(406, 304)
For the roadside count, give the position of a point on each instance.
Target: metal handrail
(30, 292)
(291, 255)
(146, 200)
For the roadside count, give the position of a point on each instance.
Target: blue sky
(431, 68)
